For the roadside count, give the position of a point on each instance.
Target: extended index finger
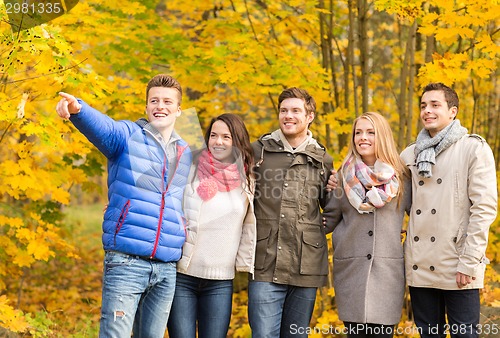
(66, 96)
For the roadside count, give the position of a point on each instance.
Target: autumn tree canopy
(230, 56)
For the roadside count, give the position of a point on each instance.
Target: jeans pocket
(116, 259)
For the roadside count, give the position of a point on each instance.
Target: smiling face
(163, 107)
(364, 140)
(294, 120)
(434, 111)
(220, 142)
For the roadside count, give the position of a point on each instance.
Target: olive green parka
(291, 244)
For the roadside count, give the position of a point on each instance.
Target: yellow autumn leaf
(9, 168)
(133, 8)
(243, 331)
(331, 292)
(61, 196)
(10, 318)
(485, 44)
(18, 183)
(22, 258)
(40, 250)
(15, 222)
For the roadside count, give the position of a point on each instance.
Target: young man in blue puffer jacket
(144, 226)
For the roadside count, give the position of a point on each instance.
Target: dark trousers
(368, 330)
(431, 307)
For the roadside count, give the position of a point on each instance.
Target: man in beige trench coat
(454, 201)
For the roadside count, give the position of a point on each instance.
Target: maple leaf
(40, 250)
(22, 258)
(60, 195)
(11, 318)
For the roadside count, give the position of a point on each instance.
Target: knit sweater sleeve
(246, 248)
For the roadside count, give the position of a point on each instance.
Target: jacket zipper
(121, 219)
(180, 151)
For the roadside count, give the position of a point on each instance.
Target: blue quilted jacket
(144, 216)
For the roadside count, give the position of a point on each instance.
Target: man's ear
(454, 112)
(310, 117)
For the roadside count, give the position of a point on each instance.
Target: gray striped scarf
(427, 148)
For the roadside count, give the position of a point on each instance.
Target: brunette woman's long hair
(242, 149)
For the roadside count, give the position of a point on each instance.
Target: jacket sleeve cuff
(469, 263)
(83, 110)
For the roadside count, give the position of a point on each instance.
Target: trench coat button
(415, 267)
(433, 211)
(432, 268)
(286, 184)
(454, 239)
(370, 233)
(418, 211)
(288, 154)
(275, 279)
(369, 256)
(420, 182)
(416, 239)
(439, 181)
(282, 215)
(433, 239)
(279, 248)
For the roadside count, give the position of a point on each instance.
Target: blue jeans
(432, 306)
(136, 296)
(276, 310)
(206, 301)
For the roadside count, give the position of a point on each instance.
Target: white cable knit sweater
(221, 233)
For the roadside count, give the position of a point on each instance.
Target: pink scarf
(216, 176)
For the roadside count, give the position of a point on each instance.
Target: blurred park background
(230, 56)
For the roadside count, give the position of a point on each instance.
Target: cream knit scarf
(368, 188)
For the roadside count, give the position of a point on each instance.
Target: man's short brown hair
(297, 93)
(164, 80)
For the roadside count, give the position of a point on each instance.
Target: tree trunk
(411, 87)
(363, 50)
(326, 54)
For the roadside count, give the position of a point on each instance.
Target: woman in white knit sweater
(220, 233)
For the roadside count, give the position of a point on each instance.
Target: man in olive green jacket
(291, 259)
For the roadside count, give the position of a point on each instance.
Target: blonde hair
(385, 147)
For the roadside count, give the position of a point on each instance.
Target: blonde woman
(366, 216)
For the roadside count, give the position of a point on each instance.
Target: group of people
(180, 222)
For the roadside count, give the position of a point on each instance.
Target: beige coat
(368, 268)
(451, 215)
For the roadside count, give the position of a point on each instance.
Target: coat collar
(271, 143)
